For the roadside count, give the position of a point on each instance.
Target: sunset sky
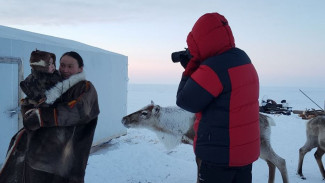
(284, 39)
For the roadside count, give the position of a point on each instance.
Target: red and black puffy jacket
(220, 85)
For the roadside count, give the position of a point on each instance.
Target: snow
(139, 157)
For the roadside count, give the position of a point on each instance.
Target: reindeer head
(144, 117)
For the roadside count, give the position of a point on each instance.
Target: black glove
(184, 63)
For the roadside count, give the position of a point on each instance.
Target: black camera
(181, 56)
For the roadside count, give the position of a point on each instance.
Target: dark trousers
(36, 176)
(211, 173)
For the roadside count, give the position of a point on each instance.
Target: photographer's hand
(184, 63)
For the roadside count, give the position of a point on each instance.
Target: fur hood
(39, 60)
(61, 87)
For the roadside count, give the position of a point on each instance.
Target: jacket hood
(210, 35)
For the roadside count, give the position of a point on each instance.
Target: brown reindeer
(315, 132)
(174, 125)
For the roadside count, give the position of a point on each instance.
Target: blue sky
(284, 39)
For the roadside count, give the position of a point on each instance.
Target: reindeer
(315, 132)
(174, 125)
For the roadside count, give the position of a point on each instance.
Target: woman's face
(69, 66)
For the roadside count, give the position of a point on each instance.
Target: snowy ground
(139, 157)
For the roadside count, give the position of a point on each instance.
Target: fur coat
(61, 142)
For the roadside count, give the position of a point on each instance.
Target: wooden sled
(309, 114)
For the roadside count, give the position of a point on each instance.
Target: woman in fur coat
(59, 136)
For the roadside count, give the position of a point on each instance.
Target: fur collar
(61, 87)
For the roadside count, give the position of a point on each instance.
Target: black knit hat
(39, 60)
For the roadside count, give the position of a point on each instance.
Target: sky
(284, 39)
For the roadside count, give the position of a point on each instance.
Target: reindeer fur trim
(56, 91)
(41, 63)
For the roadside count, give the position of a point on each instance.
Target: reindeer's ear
(156, 109)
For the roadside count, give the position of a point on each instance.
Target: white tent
(106, 70)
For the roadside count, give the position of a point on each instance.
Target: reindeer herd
(174, 125)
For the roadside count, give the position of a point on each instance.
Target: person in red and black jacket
(221, 85)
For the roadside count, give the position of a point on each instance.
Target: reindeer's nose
(125, 121)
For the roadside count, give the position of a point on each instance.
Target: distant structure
(108, 71)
